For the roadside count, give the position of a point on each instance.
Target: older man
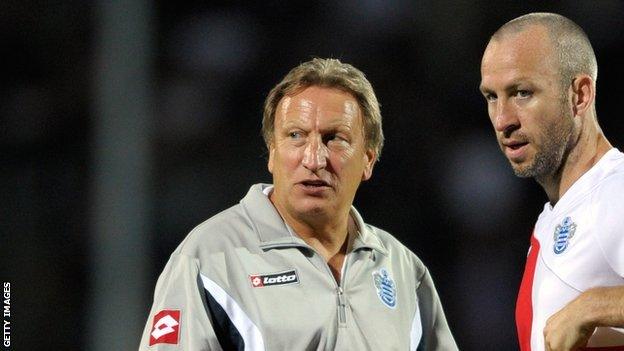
(538, 78)
(294, 266)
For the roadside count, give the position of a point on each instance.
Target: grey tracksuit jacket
(243, 281)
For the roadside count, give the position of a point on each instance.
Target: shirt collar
(365, 238)
(274, 232)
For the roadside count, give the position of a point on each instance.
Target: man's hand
(567, 330)
(571, 327)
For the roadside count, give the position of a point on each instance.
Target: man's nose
(505, 116)
(315, 154)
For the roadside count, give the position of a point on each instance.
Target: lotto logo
(166, 327)
(256, 281)
(281, 278)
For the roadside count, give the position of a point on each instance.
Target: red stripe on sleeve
(524, 304)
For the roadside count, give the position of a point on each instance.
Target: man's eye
(294, 135)
(332, 137)
(490, 97)
(524, 93)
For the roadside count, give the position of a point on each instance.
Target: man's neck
(326, 234)
(329, 238)
(584, 155)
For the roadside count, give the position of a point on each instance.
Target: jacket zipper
(342, 302)
(342, 307)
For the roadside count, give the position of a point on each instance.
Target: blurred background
(125, 124)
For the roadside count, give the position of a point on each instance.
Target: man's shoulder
(613, 174)
(395, 248)
(601, 186)
(611, 187)
(228, 229)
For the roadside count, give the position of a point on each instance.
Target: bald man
(538, 76)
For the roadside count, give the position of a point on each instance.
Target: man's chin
(312, 210)
(523, 171)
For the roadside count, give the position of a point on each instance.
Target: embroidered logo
(166, 327)
(280, 278)
(563, 233)
(386, 289)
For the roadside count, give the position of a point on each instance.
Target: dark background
(124, 125)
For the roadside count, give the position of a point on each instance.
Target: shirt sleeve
(608, 207)
(179, 317)
(436, 334)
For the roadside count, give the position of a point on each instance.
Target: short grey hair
(570, 43)
(330, 73)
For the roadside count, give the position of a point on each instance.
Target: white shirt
(578, 244)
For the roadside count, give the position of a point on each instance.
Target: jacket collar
(273, 232)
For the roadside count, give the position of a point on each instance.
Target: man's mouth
(515, 145)
(314, 183)
(515, 150)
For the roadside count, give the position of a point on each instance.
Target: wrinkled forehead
(318, 102)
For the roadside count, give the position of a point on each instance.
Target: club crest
(563, 233)
(386, 288)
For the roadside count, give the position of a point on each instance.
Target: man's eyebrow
(514, 87)
(509, 88)
(291, 123)
(339, 127)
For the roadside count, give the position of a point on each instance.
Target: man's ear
(583, 94)
(370, 158)
(271, 157)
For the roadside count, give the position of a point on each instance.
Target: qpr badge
(386, 289)
(563, 233)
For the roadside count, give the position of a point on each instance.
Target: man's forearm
(605, 306)
(573, 325)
